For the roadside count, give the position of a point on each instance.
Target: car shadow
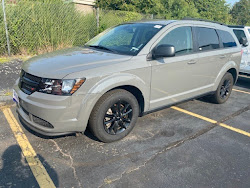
(89, 134)
(15, 171)
(243, 82)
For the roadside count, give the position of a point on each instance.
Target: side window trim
(220, 39)
(195, 39)
(195, 43)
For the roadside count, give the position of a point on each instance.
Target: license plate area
(15, 97)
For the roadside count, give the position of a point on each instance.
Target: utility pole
(6, 28)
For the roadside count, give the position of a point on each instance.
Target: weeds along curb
(6, 100)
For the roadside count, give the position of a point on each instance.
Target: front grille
(42, 122)
(29, 83)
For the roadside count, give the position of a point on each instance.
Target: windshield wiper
(102, 48)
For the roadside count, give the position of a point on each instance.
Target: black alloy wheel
(118, 117)
(114, 115)
(225, 89)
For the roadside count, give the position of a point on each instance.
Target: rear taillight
(241, 51)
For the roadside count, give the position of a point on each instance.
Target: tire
(114, 115)
(224, 89)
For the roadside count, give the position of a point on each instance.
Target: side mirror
(164, 50)
(243, 41)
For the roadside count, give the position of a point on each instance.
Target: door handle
(191, 62)
(223, 56)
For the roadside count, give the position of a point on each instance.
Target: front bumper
(56, 115)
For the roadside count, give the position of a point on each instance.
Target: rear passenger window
(207, 39)
(181, 39)
(227, 39)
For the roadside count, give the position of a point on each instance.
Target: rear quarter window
(226, 39)
(239, 33)
(207, 38)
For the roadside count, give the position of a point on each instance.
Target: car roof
(160, 22)
(191, 21)
(236, 26)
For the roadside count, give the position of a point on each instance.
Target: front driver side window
(181, 39)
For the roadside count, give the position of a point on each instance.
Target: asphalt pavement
(197, 144)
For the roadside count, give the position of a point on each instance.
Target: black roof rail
(236, 26)
(204, 20)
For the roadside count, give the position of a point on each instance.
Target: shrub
(37, 27)
(110, 18)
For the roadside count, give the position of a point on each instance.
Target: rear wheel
(114, 115)
(224, 89)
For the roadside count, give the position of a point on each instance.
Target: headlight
(67, 85)
(60, 87)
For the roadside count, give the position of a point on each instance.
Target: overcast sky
(232, 1)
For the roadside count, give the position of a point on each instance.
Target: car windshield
(249, 31)
(127, 39)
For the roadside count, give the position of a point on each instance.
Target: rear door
(227, 45)
(211, 57)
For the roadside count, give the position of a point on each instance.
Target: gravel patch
(9, 73)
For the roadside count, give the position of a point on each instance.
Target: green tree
(180, 9)
(164, 8)
(142, 6)
(217, 10)
(241, 12)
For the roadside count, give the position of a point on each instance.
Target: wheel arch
(136, 92)
(230, 67)
(233, 71)
(128, 82)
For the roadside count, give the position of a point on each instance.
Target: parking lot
(194, 144)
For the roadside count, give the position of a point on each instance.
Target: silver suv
(126, 71)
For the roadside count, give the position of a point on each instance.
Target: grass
(4, 59)
(15, 57)
(37, 27)
(6, 93)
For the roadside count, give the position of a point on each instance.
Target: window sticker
(158, 26)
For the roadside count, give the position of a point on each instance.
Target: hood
(58, 64)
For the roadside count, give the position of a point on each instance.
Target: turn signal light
(77, 85)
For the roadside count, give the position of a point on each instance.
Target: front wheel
(114, 115)
(224, 89)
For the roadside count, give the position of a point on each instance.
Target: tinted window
(239, 33)
(181, 39)
(249, 31)
(207, 39)
(227, 39)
